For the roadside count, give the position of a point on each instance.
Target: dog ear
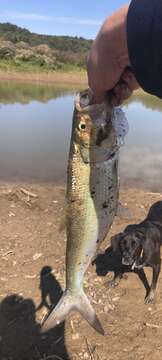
(141, 234)
(131, 228)
(115, 240)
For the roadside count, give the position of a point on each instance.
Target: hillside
(22, 50)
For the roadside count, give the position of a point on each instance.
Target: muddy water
(35, 126)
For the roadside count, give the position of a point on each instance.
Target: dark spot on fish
(114, 169)
(112, 155)
(92, 193)
(103, 134)
(97, 241)
(110, 187)
(105, 205)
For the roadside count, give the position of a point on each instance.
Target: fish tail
(72, 301)
(86, 310)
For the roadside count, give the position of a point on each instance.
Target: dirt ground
(71, 77)
(32, 273)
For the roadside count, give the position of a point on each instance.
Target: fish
(91, 200)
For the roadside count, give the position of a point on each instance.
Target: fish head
(94, 134)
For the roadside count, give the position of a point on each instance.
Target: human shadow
(111, 261)
(53, 341)
(50, 289)
(20, 336)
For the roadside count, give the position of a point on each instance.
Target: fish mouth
(84, 99)
(84, 102)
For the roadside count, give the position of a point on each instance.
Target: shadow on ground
(20, 336)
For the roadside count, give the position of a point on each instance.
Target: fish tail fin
(86, 310)
(69, 302)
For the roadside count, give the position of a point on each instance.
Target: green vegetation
(22, 50)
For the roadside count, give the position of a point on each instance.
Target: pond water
(35, 127)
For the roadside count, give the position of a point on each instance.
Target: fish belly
(92, 203)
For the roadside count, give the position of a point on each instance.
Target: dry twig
(154, 326)
(7, 253)
(28, 193)
(89, 350)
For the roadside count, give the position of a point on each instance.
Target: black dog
(139, 246)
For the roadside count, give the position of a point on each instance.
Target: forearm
(109, 58)
(109, 53)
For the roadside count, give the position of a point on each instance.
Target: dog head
(129, 243)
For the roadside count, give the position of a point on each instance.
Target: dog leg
(116, 279)
(143, 278)
(151, 296)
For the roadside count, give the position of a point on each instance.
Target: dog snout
(127, 261)
(127, 258)
(127, 254)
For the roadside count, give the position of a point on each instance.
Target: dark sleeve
(144, 38)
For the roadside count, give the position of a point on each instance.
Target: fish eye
(82, 126)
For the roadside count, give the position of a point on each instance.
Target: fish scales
(80, 212)
(88, 211)
(92, 198)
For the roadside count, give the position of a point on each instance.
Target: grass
(29, 66)
(67, 74)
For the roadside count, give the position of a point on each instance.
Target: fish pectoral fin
(72, 301)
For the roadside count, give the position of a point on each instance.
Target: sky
(59, 17)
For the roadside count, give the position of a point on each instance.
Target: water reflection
(35, 127)
(24, 93)
(148, 101)
(141, 158)
(34, 139)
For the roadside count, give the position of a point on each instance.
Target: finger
(130, 79)
(121, 92)
(98, 97)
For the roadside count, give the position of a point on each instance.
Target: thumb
(129, 79)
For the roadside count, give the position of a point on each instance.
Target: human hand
(123, 89)
(108, 67)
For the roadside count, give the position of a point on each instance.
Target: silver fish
(92, 199)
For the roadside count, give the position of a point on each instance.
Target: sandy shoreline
(78, 78)
(32, 245)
